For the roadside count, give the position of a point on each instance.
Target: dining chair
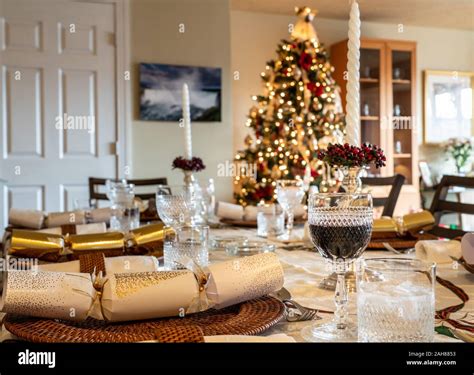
(388, 203)
(441, 206)
(95, 183)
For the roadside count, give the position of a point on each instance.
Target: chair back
(441, 206)
(150, 184)
(389, 202)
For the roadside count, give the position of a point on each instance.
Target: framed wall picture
(448, 105)
(161, 92)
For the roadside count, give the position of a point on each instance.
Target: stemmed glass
(340, 226)
(176, 205)
(289, 195)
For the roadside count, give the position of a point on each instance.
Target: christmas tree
(298, 114)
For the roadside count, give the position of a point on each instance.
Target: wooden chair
(389, 202)
(441, 206)
(95, 183)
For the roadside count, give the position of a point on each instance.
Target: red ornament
(316, 90)
(305, 61)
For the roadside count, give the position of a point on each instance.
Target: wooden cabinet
(388, 107)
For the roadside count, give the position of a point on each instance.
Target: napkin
(80, 229)
(229, 211)
(467, 246)
(100, 215)
(250, 213)
(113, 265)
(279, 337)
(26, 218)
(438, 251)
(56, 219)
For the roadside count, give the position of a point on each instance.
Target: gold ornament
(276, 173)
(304, 29)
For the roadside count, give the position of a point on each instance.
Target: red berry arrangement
(193, 165)
(352, 156)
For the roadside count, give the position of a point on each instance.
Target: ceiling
(456, 14)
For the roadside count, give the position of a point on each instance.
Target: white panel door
(57, 101)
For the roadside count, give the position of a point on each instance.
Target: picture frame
(448, 103)
(161, 92)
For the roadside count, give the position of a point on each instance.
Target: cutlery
(398, 252)
(296, 312)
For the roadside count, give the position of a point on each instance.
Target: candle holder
(189, 179)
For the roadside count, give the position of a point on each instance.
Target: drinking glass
(270, 220)
(125, 216)
(186, 240)
(125, 213)
(83, 204)
(398, 305)
(176, 205)
(340, 225)
(289, 195)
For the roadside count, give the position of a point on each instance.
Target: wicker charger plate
(248, 318)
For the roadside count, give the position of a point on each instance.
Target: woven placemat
(248, 318)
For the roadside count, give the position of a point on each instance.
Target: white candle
(353, 85)
(187, 124)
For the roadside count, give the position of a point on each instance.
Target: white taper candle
(188, 152)
(353, 85)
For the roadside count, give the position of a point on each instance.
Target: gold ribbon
(410, 222)
(33, 244)
(202, 275)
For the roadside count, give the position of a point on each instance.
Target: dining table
(304, 269)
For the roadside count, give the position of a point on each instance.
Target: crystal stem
(289, 224)
(340, 315)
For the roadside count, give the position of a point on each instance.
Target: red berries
(353, 156)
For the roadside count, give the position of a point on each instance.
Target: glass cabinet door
(402, 112)
(370, 111)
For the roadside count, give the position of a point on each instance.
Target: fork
(393, 250)
(296, 312)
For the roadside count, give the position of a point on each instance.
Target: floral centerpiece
(352, 160)
(188, 166)
(460, 150)
(193, 165)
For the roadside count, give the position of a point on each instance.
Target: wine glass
(289, 195)
(340, 226)
(176, 205)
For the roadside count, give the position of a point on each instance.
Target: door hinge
(112, 39)
(114, 148)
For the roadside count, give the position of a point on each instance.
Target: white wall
(205, 42)
(255, 36)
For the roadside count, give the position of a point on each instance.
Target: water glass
(125, 216)
(395, 300)
(270, 221)
(289, 194)
(188, 240)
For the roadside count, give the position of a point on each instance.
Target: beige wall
(155, 39)
(255, 36)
